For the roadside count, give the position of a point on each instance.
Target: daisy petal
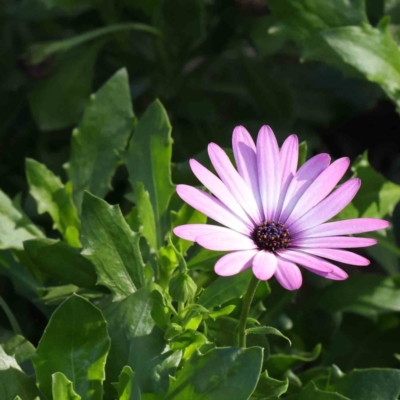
(218, 189)
(233, 263)
(334, 242)
(244, 151)
(328, 207)
(268, 165)
(319, 189)
(301, 181)
(337, 274)
(342, 256)
(307, 261)
(191, 231)
(234, 182)
(288, 274)
(212, 207)
(228, 241)
(346, 227)
(264, 265)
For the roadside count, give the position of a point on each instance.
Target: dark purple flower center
(271, 236)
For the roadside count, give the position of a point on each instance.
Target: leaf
(125, 387)
(220, 374)
(370, 51)
(62, 388)
(299, 19)
(65, 263)
(311, 392)
(369, 384)
(224, 289)
(135, 340)
(302, 154)
(269, 388)
(55, 198)
(58, 101)
(16, 346)
(76, 344)
(111, 246)
(148, 160)
(13, 381)
(185, 215)
(205, 259)
(104, 131)
(15, 226)
(267, 330)
(277, 364)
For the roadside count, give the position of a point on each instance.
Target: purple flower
(275, 216)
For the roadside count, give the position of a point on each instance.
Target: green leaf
(111, 246)
(62, 388)
(311, 392)
(269, 388)
(369, 384)
(125, 387)
(205, 259)
(16, 346)
(75, 343)
(15, 226)
(104, 131)
(58, 101)
(224, 289)
(267, 330)
(65, 263)
(185, 215)
(302, 154)
(220, 374)
(148, 160)
(55, 198)
(277, 364)
(13, 381)
(135, 340)
(370, 51)
(300, 19)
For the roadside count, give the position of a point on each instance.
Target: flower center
(271, 236)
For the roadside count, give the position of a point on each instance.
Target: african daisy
(275, 216)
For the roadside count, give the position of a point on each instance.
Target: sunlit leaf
(62, 388)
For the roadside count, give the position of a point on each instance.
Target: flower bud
(182, 287)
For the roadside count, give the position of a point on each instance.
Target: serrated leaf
(104, 131)
(75, 343)
(125, 386)
(62, 262)
(15, 226)
(269, 388)
(220, 374)
(111, 246)
(62, 388)
(13, 381)
(148, 160)
(267, 330)
(311, 392)
(53, 197)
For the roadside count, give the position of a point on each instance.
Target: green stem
(248, 298)
(13, 321)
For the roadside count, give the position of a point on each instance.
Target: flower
(275, 216)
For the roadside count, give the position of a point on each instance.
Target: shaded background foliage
(327, 71)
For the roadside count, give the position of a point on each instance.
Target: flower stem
(248, 298)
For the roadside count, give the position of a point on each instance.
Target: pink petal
(319, 189)
(334, 242)
(342, 256)
(218, 189)
(288, 274)
(328, 207)
(337, 274)
(307, 261)
(234, 182)
(346, 227)
(233, 263)
(264, 265)
(289, 156)
(227, 241)
(301, 181)
(213, 208)
(268, 165)
(191, 231)
(244, 151)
